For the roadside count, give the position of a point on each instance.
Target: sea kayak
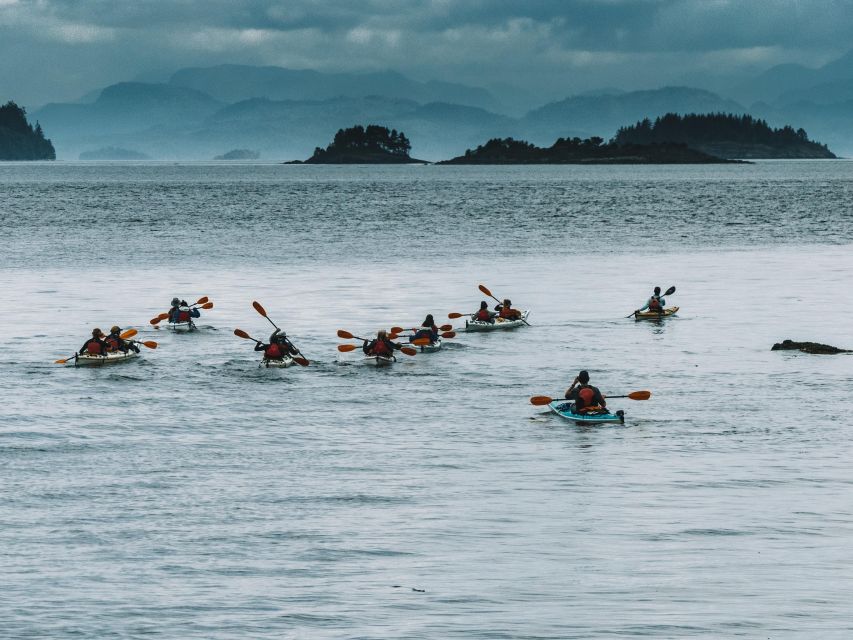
(565, 409)
(378, 361)
(91, 360)
(655, 315)
(284, 363)
(499, 323)
(182, 327)
(428, 348)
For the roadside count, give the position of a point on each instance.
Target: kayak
(182, 327)
(499, 323)
(379, 361)
(90, 360)
(565, 409)
(284, 363)
(654, 315)
(429, 348)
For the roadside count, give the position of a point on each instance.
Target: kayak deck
(565, 409)
(428, 348)
(499, 323)
(654, 315)
(284, 363)
(184, 327)
(89, 360)
(378, 361)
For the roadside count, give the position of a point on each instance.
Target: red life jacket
(381, 348)
(509, 313)
(654, 304)
(94, 348)
(586, 396)
(113, 343)
(183, 316)
(273, 352)
(482, 315)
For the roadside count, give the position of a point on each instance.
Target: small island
(19, 140)
(576, 151)
(726, 136)
(113, 153)
(365, 145)
(239, 154)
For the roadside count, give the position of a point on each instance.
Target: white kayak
(284, 363)
(499, 323)
(428, 348)
(378, 361)
(90, 360)
(182, 327)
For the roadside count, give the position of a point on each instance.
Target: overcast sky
(53, 50)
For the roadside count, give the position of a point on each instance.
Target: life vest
(381, 348)
(113, 343)
(586, 396)
(183, 316)
(482, 315)
(94, 348)
(508, 313)
(654, 304)
(273, 352)
(426, 332)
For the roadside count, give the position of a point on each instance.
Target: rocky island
(726, 136)
(576, 151)
(239, 154)
(19, 140)
(366, 145)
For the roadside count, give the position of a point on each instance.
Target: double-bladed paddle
(634, 395)
(668, 292)
(346, 348)
(203, 302)
(485, 290)
(297, 359)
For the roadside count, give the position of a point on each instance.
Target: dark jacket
(597, 398)
(368, 347)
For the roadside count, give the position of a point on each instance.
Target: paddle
(159, 318)
(634, 395)
(485, 290)
(263, 312)
(668, 292)
(124, 336)
(200, 301)
(207, 305)
(148, 343)
(303, 362)
(455, 315)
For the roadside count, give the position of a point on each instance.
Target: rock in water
(807, 347)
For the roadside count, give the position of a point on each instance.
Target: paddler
(278, 347)
(484, 315)
(182, 312)
(95, 345)
(116, 343)
(426, 330)
(506, 311)
(655, 303)
(586, 397)
(381, 346)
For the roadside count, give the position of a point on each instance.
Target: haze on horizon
(59, 50)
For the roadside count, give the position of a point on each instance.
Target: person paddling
(382, 346)
(182, 312)
(279, 346)
(506, 311)
(587, 398)
(426, 330)
(95, 345)
(484, 315)
(116, 343)
(654, 304)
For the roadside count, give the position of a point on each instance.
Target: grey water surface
(190, 494)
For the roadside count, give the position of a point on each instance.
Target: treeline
(699, 129)
(371, 138)
(19, 140)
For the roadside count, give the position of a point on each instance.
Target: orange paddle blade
(640, 395)
(302, 362)
(207, 305)
(541, 400)
(454, 315)
(397, 329)
(61, 361)
(346, 348)
(483, 288)
(150, 344)
(128, 334)
(259, 308)
(346, 335)
(202, 300)
(445, 327)
(409, 351)
(448, 334)
(242, 334)
(421, 342)
(156, 320)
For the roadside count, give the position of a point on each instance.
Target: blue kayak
(565, 409)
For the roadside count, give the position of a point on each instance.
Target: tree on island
(19, 140)
(373, 143)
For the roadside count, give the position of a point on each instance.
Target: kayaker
(278, 347)
(427, 330)
(95, 345)
(116, 343)
(506, 311)
(484, 315)
(381, 346)
(182, 312)
(586, 397)
(655, 303)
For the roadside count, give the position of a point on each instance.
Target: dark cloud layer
(59, 49)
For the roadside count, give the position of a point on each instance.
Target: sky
(59, 50)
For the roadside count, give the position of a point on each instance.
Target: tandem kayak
(90, 360)
(182, 327)
(655, 315)
(565, 409)
(378, 361)
(428, 348)
(499, 323)
(284, 363)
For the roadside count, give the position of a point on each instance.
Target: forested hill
(19, 140)
(365, 145)
(724, 135)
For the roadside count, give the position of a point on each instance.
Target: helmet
(175, 302)
(115, 329)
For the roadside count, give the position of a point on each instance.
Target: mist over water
(191, 494)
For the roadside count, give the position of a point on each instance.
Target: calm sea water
(191, 494)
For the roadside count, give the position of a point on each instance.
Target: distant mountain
(113, 153)
(234, 83)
